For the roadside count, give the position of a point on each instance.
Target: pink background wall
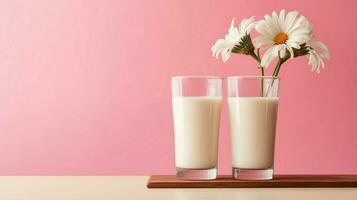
(84, 84)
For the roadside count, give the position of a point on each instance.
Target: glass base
(252, 174)
(196, 174)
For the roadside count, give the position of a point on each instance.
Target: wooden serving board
(279, 181)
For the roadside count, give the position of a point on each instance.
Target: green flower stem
(261, 70)
(276, 71)
(257, 58)
(262, 81)
(278, 65)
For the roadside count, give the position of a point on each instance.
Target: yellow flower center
(281, 38)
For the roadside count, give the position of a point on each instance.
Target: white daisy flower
(280, 34)
(233, 39)
(317, 52)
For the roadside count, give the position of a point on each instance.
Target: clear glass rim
(197, 77)
(253, 77)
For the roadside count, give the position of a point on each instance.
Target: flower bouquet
(279, 36)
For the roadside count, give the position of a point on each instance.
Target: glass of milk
(253, 109)
(196, 105)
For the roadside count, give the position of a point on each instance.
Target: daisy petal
(290, 19)
(269, 56)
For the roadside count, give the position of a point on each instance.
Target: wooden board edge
(313, 184)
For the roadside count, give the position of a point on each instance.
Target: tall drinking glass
(253, 108)
(196, 103)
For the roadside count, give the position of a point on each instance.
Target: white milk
(252, 122)
(196, 124)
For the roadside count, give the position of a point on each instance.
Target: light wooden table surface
(134, 187)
